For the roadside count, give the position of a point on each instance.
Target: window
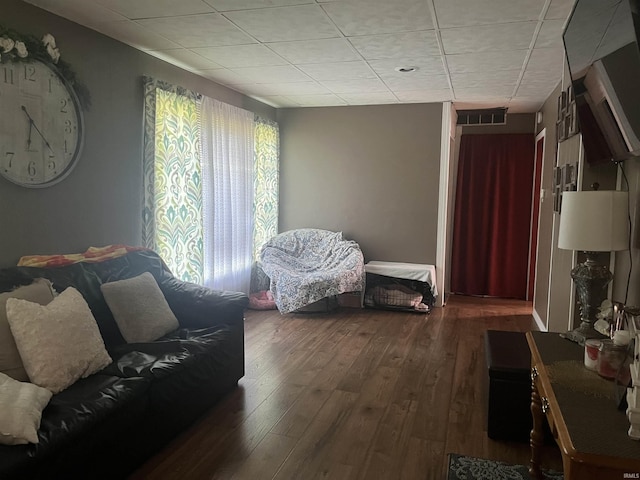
(210, 185)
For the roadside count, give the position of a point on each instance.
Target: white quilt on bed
(307, 265)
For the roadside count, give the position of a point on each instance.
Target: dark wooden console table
(582, 413)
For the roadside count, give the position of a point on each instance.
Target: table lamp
(591, 222)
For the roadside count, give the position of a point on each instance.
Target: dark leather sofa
(106, 425)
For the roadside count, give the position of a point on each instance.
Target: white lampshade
(594, 221)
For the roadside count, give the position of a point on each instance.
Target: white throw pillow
(60, 342)
(21, 406)
(40, 291)
(139, 308)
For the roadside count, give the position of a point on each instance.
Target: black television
(601, 44)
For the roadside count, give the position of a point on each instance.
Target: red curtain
(493, 215)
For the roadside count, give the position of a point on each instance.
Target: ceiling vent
(486, 116)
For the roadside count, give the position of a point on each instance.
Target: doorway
(492, 217)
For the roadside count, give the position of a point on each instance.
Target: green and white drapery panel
(210, 173)
(172, 178)
(266, 182)
(228, 184)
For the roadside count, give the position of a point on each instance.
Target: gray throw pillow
(139, 308)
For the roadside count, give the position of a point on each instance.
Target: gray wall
(632, 169)
(561, 287)
(371, 172)
(554, 289)
(100, 202)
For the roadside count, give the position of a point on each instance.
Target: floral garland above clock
(17, 47)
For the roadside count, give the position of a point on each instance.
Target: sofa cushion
(181, 362)
(170, 354)
(40, 292)
(21, 406)
(60, 342)
(87, 402)
(140, 309)
(73, 422)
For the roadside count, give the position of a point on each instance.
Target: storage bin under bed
(419, 278)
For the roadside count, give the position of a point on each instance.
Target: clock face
(41, 125)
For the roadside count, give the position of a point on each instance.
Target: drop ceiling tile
(79, 11)
(272, 74)
(486, 61)
(546, 60)
(136, 35)
(226, 77)
(277, 101)
(506, 36)
(416, 82)
(338, 71)
(523, 105)
(491, 47)
(398, 45)
(460, 13)
(155, 8)
(550, 34)
(424, 96)
(247, 88)
(535, 90)
(374, 17)
(540, 88)
(357, 85)
(424, 65)
(226, 5)
(538, 76)
(559, 9)
(315, 51)
(536, 87)
(241, 55)
(210, 30)
(288, 89)
(372, 98)
(328, 100)
(479, 79)
(485, 90)
(185, 59)
(195, 60)
(281, 24)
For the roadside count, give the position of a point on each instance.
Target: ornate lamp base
(582, 333)
(591, 280)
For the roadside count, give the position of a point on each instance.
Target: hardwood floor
(357, 394)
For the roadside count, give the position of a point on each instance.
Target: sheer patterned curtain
(227, 144)
(266, 182)
(172, 212)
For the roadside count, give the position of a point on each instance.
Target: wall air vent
(486, 116)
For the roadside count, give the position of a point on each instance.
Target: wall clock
(41, 124)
